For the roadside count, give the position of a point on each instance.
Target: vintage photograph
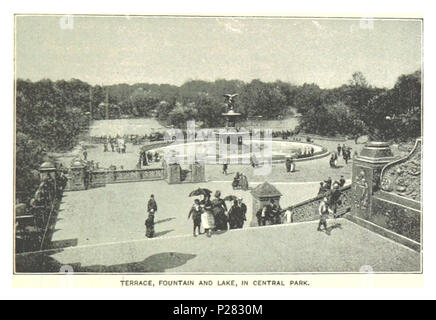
(217, 144)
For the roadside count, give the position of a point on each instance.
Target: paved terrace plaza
(102, 229)
(282, 248)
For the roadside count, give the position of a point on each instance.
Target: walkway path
(283, 248)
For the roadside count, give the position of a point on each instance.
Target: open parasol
(200, 192)
(230, 198)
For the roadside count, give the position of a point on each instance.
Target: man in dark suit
(151, 207)
(242, 213)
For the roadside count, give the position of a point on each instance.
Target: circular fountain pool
(213, 152)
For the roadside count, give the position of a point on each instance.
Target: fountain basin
(213, 152)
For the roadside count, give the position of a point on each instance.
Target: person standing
(292, 165)
(225, 167)
(288, 164)
(334, 199)
(332, 160)
(243, 182)
(288, 215)
(151, 207)
(242, 213)
(275, 213)
(323, 211)
(265, 214)
(219, 209)
(234, 214)
(236, 181)
(196, 212)
(207, 218)
(339, 149)
(261, 216)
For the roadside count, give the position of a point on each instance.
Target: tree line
(50, 115)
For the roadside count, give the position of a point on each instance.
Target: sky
(132, 49)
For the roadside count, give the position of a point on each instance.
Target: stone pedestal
(77, 176)
(198, 172)
(366, 176)
(174, 173)
(47, 169)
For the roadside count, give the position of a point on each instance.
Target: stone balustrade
(308, 210)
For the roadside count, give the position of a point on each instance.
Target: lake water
(124, 126)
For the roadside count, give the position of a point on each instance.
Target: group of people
(214, 216)
(329, 206)
(118, 145)
(147, 157)
(271, 213)
(331, 192)
(135, 139)
(345, 151)
(240, 181)
(306, 152)
(328, 185)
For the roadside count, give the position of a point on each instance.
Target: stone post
(47, 169)
(76, 176)
(174, 173)
(198, 172)
(366, 176)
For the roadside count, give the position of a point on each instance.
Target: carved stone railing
(100, 178)
(403, 177)
(308, 210)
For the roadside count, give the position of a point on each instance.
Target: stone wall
(386, 198)
(398, 215)
(403, 177)
(100, 178)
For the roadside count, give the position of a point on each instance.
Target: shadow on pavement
(164, 220)
(162, 233)
(331, 228)
(43, 262)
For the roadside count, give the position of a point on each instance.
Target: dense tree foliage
(51, 115)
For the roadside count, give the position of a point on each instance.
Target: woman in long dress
(207, 218)
(219, 210)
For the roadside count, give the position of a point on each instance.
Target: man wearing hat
(242, 213)
(234, 215)
(149, 222)
(196, 212)
(334, 198)
(151, 207)
(323, 210)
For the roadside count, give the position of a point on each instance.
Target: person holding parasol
(207, 218)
